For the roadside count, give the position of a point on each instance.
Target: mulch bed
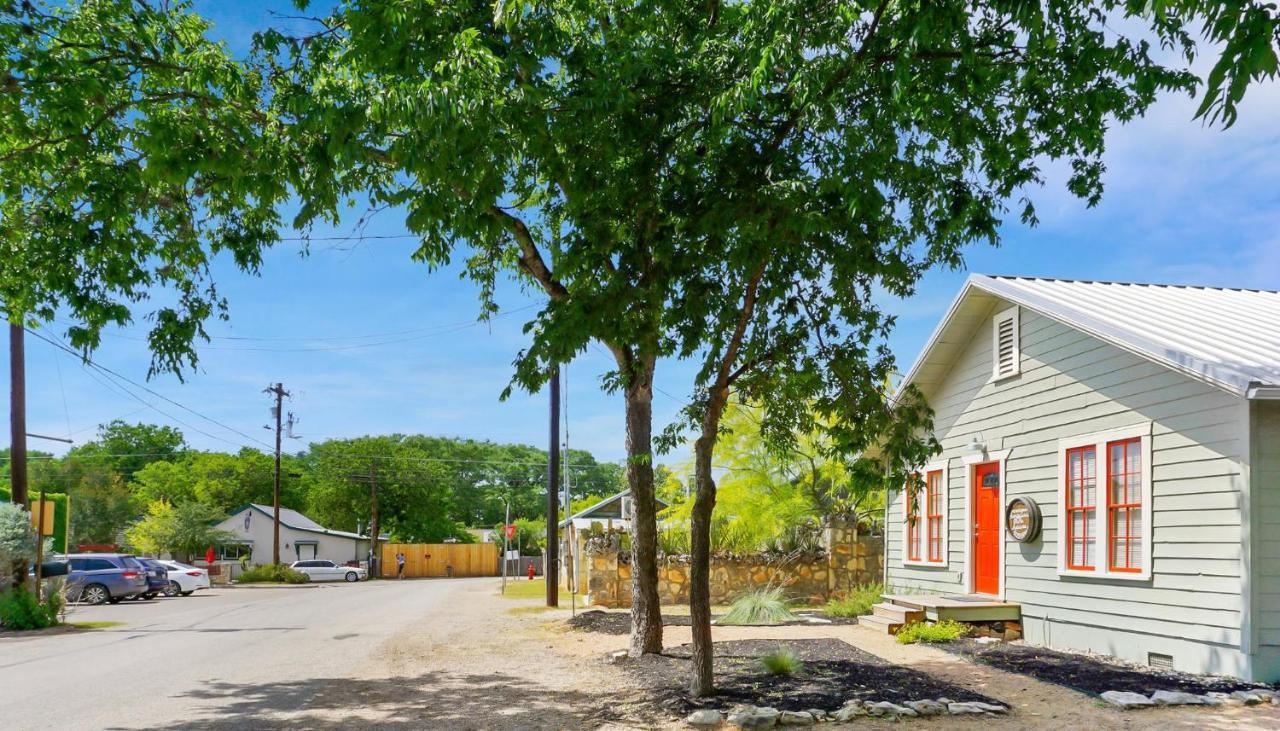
(1087, 673)
(619, 623)
(834, 672)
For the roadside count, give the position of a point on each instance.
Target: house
(1109, 473)
(611, 514)
(301, 538)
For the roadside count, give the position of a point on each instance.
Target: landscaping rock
(818, 714)
(850, 711)
(753, 717)
(927, 707)
(796, 718)
(1216, 698)
(704, 717)
(1275, 700)
(989, 707)
(885, 708)
(1250, 697)
(618, 657)
(988, 640)
(963, 709)
(1124, 700)
(1176, 698)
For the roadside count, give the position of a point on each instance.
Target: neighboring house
(1144, 423)
(301, 538)
(483, 535)
(612, 513)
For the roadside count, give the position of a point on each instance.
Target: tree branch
(531, 261)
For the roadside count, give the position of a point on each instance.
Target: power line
(149, 390)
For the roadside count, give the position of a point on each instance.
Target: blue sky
(370, 342)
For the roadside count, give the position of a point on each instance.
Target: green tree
(132, 151)
(730, 181)
(128, 448)
(17, 542)
(183, 530)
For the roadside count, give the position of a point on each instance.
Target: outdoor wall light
(976, 446)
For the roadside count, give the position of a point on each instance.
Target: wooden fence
(435, 559)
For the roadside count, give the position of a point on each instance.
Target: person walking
(400, 565)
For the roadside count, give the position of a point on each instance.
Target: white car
(321, 570)
(184, 579)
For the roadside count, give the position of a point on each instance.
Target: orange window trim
(913, 520)
(1127, 505)
(933, 512)
(1075, 502)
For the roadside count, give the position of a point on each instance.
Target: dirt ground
(500, 663)
(1035, 705)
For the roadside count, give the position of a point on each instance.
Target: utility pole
(551, 572)
(375, 562)
(506, 544)
(278, 391)
(17, 415)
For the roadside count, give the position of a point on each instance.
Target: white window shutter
(1006, 351)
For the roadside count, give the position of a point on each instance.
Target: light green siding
(1265, 507)
(1072, 384)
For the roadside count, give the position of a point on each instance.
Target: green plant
(272, 573)
(944, 630)
(19, 610)
(857, 602)
(782, 661)
(760, 607)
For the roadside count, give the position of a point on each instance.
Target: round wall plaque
(1022, 519)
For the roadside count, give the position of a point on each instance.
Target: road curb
(268, 586)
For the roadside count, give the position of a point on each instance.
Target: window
(1006, 355)
(925, 514)
(1124, 505)
(933, 501)
(235, 552)
(1106, 535)
(1081, 502)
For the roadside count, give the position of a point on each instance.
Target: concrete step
(880, 624)
(897, 613)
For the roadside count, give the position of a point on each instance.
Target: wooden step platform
(898, 610)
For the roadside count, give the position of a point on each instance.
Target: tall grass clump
(782, 661)
(760, 607)
(857, 602)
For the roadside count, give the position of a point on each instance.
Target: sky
(369, 342)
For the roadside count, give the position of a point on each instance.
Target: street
(336, 655)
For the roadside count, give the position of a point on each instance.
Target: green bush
(760, 607)
(857, 602)
(19, 610)
(782, 661)
(272, 573)
(944, 630)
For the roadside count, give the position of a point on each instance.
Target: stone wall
(847, 560)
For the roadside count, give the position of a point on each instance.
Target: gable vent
(1006, 355)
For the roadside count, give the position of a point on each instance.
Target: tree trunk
(646, 613)
(701, 678)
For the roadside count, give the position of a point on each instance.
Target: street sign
(513, 555)
(511, 530)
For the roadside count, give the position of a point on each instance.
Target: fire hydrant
(530, 572)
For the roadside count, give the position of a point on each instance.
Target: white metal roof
(1229, 338)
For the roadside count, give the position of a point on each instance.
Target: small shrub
(944, 630)
(19, 610)
(760, 607)
(272, 573)
(857, 602)
(782, 661)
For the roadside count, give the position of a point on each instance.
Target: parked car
(321, 570)
(157, 577)
(185, 580)
(95, 578)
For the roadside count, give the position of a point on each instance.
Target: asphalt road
(179, 662)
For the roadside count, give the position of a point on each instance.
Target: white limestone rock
(927, 707)
(1176, 698)
(704, 717)
(1124, 700)
(796, 718)
(753, 717)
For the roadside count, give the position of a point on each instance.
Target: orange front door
(986, 528)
